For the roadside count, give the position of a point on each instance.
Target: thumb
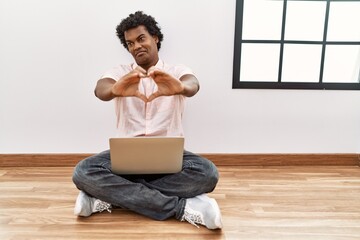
(141, 96)
(153, 96)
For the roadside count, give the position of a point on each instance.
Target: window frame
(238, 41)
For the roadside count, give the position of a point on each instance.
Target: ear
(156, 38)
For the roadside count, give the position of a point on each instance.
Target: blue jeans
(156, 196)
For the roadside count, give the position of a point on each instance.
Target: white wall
(53, 52)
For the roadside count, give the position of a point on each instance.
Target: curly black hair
(136, 19)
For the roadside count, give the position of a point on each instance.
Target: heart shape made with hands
(128, 85)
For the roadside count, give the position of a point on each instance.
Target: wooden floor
(256, 202)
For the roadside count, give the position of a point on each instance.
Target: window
(297, 44)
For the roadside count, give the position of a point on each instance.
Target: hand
(128, 85)
(167, 84)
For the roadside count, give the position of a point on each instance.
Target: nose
(137, 45)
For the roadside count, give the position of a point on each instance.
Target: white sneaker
(86, 205)
(202, 210)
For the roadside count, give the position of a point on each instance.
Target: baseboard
(220, 159)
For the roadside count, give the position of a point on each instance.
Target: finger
(151, 69)
(153, 72)
(140, 69)
(140, 72)
(153, 96)
(142, 75)
(141, 96)
(131, 76)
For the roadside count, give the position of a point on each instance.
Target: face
(142, 46)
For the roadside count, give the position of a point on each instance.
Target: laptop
(146, 155)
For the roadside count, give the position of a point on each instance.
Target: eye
(129, 44)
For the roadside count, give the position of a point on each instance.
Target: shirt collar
(159, 64)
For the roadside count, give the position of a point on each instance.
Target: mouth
(139, 54)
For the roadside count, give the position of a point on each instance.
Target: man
(149, 96)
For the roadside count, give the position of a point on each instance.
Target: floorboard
(299, 202)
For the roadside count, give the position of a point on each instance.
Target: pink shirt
(160, 117)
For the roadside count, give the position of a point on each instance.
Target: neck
(146, 66)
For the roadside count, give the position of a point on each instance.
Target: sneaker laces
(193, 217)
(101, 206)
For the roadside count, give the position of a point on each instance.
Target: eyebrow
(141, 35)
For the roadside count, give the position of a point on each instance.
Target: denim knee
(82, 177)
(209, 176)
(212, 176)
(78, 174)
